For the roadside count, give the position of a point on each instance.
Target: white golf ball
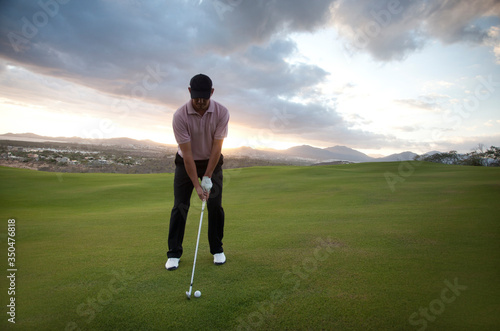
(197, 294)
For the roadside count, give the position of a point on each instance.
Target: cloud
(466, 144)
(229, 25)
(108, 46)
(391, 30)
(408, 128)
(455, 21)
(424, 103)
(493, 40)
(148, 51)
(491, 123)
(177, 31)
(145, 52)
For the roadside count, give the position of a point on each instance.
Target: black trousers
(183, 188)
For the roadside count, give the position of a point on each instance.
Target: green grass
(308, 248)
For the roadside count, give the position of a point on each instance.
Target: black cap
(201, 87)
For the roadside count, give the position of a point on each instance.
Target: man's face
(200, 104)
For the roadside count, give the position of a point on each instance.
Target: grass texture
(373, 246)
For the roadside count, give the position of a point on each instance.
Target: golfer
(200, 127)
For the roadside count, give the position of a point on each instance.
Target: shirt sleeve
(222, 125)
(181, 128)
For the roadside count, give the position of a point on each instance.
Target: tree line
(478, 157)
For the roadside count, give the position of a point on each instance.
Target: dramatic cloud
(139, 56)
(390, 30)
(149, 48)
(106, 40)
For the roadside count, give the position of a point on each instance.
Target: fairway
(372, 246)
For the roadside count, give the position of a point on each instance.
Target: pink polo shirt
(201, 131)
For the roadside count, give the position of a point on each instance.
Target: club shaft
(197, 243)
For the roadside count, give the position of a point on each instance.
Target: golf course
(369, 246)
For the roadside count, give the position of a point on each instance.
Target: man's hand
(206, 184)
(202, 194)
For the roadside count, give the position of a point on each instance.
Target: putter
(188, 293)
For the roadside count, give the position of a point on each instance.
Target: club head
(188, 295)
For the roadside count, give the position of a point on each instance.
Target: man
(200, 127)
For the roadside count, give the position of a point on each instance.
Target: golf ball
(197, 294)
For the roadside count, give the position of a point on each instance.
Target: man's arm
(190, 166)
(214, 157)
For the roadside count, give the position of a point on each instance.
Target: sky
(379, 76)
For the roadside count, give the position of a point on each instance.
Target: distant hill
(309, 152)
(32, 137)
(342, 153)
(270, 155)
(349, 154)
(78, 140)
(300, 155)
(330, 154)
(405, 156)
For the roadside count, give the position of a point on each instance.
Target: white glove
(206, 184)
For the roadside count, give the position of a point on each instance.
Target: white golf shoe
(219, 258)
(172, 263)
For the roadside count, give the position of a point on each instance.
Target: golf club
(188, 293)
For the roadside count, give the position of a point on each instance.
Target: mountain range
(311, 154)
(305, 153)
